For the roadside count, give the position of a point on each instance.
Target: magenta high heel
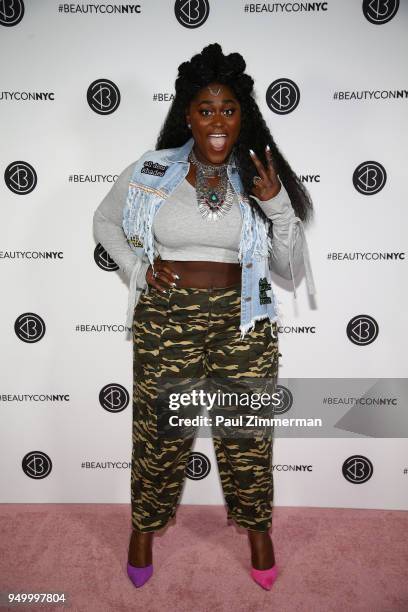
(139, 575)
(265, 578)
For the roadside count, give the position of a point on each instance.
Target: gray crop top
(198, 242)
(181, 233)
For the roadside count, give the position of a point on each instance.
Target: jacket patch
(135, 240)
(154, 168)
(264, 286)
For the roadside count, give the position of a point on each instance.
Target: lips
(217, 142)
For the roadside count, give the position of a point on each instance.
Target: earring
(189, 126)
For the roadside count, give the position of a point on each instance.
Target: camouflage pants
(192, 333)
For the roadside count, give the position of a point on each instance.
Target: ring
(154, 274)
(256, 179)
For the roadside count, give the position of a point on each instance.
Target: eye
(229, 111)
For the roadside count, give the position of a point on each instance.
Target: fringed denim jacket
(155, 176)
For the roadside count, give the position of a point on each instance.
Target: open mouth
(217, 141)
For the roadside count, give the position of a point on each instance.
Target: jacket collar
(180, 154)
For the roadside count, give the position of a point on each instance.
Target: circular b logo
(369, 177)
(29, 327)
(36, 465)
(198, 466)
(285, 400)
(103, 260)
(357, 469)
(191, 13)
(362, 330)
(282, 96)
(11, 12)
(381, 11)
(103, 96)
(114, 398)
(20, 177)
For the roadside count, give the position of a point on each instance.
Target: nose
(218, 120)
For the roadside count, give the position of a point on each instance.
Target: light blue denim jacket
(155, 176)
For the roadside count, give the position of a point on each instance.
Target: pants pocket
(151, 315)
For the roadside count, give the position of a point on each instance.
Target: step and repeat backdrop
(85, 88)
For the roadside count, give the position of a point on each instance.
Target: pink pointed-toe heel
(265, 578)
(139, 575)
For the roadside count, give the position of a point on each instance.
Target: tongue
(217, 142)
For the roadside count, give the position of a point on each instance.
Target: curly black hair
(211, 65)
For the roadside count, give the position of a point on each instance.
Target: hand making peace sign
(267, 183)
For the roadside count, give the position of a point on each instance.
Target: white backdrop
(84, 91)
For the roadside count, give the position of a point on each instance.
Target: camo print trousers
(193, 333)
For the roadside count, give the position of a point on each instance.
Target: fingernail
(251, 152)
(176, 276)
(164, 290)
(174, 284)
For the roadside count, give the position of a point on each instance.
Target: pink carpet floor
(330, 560)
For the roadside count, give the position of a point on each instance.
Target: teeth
(217, 141)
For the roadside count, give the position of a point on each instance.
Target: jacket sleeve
(107, 224)
(289, 246)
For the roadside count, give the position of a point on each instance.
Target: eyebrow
(212, 102)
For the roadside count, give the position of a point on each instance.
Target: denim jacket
(155, 176)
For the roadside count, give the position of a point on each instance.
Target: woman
(197, 225)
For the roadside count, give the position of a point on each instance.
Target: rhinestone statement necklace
(213, 202)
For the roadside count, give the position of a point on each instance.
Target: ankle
(262, 553)
(140, 548)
